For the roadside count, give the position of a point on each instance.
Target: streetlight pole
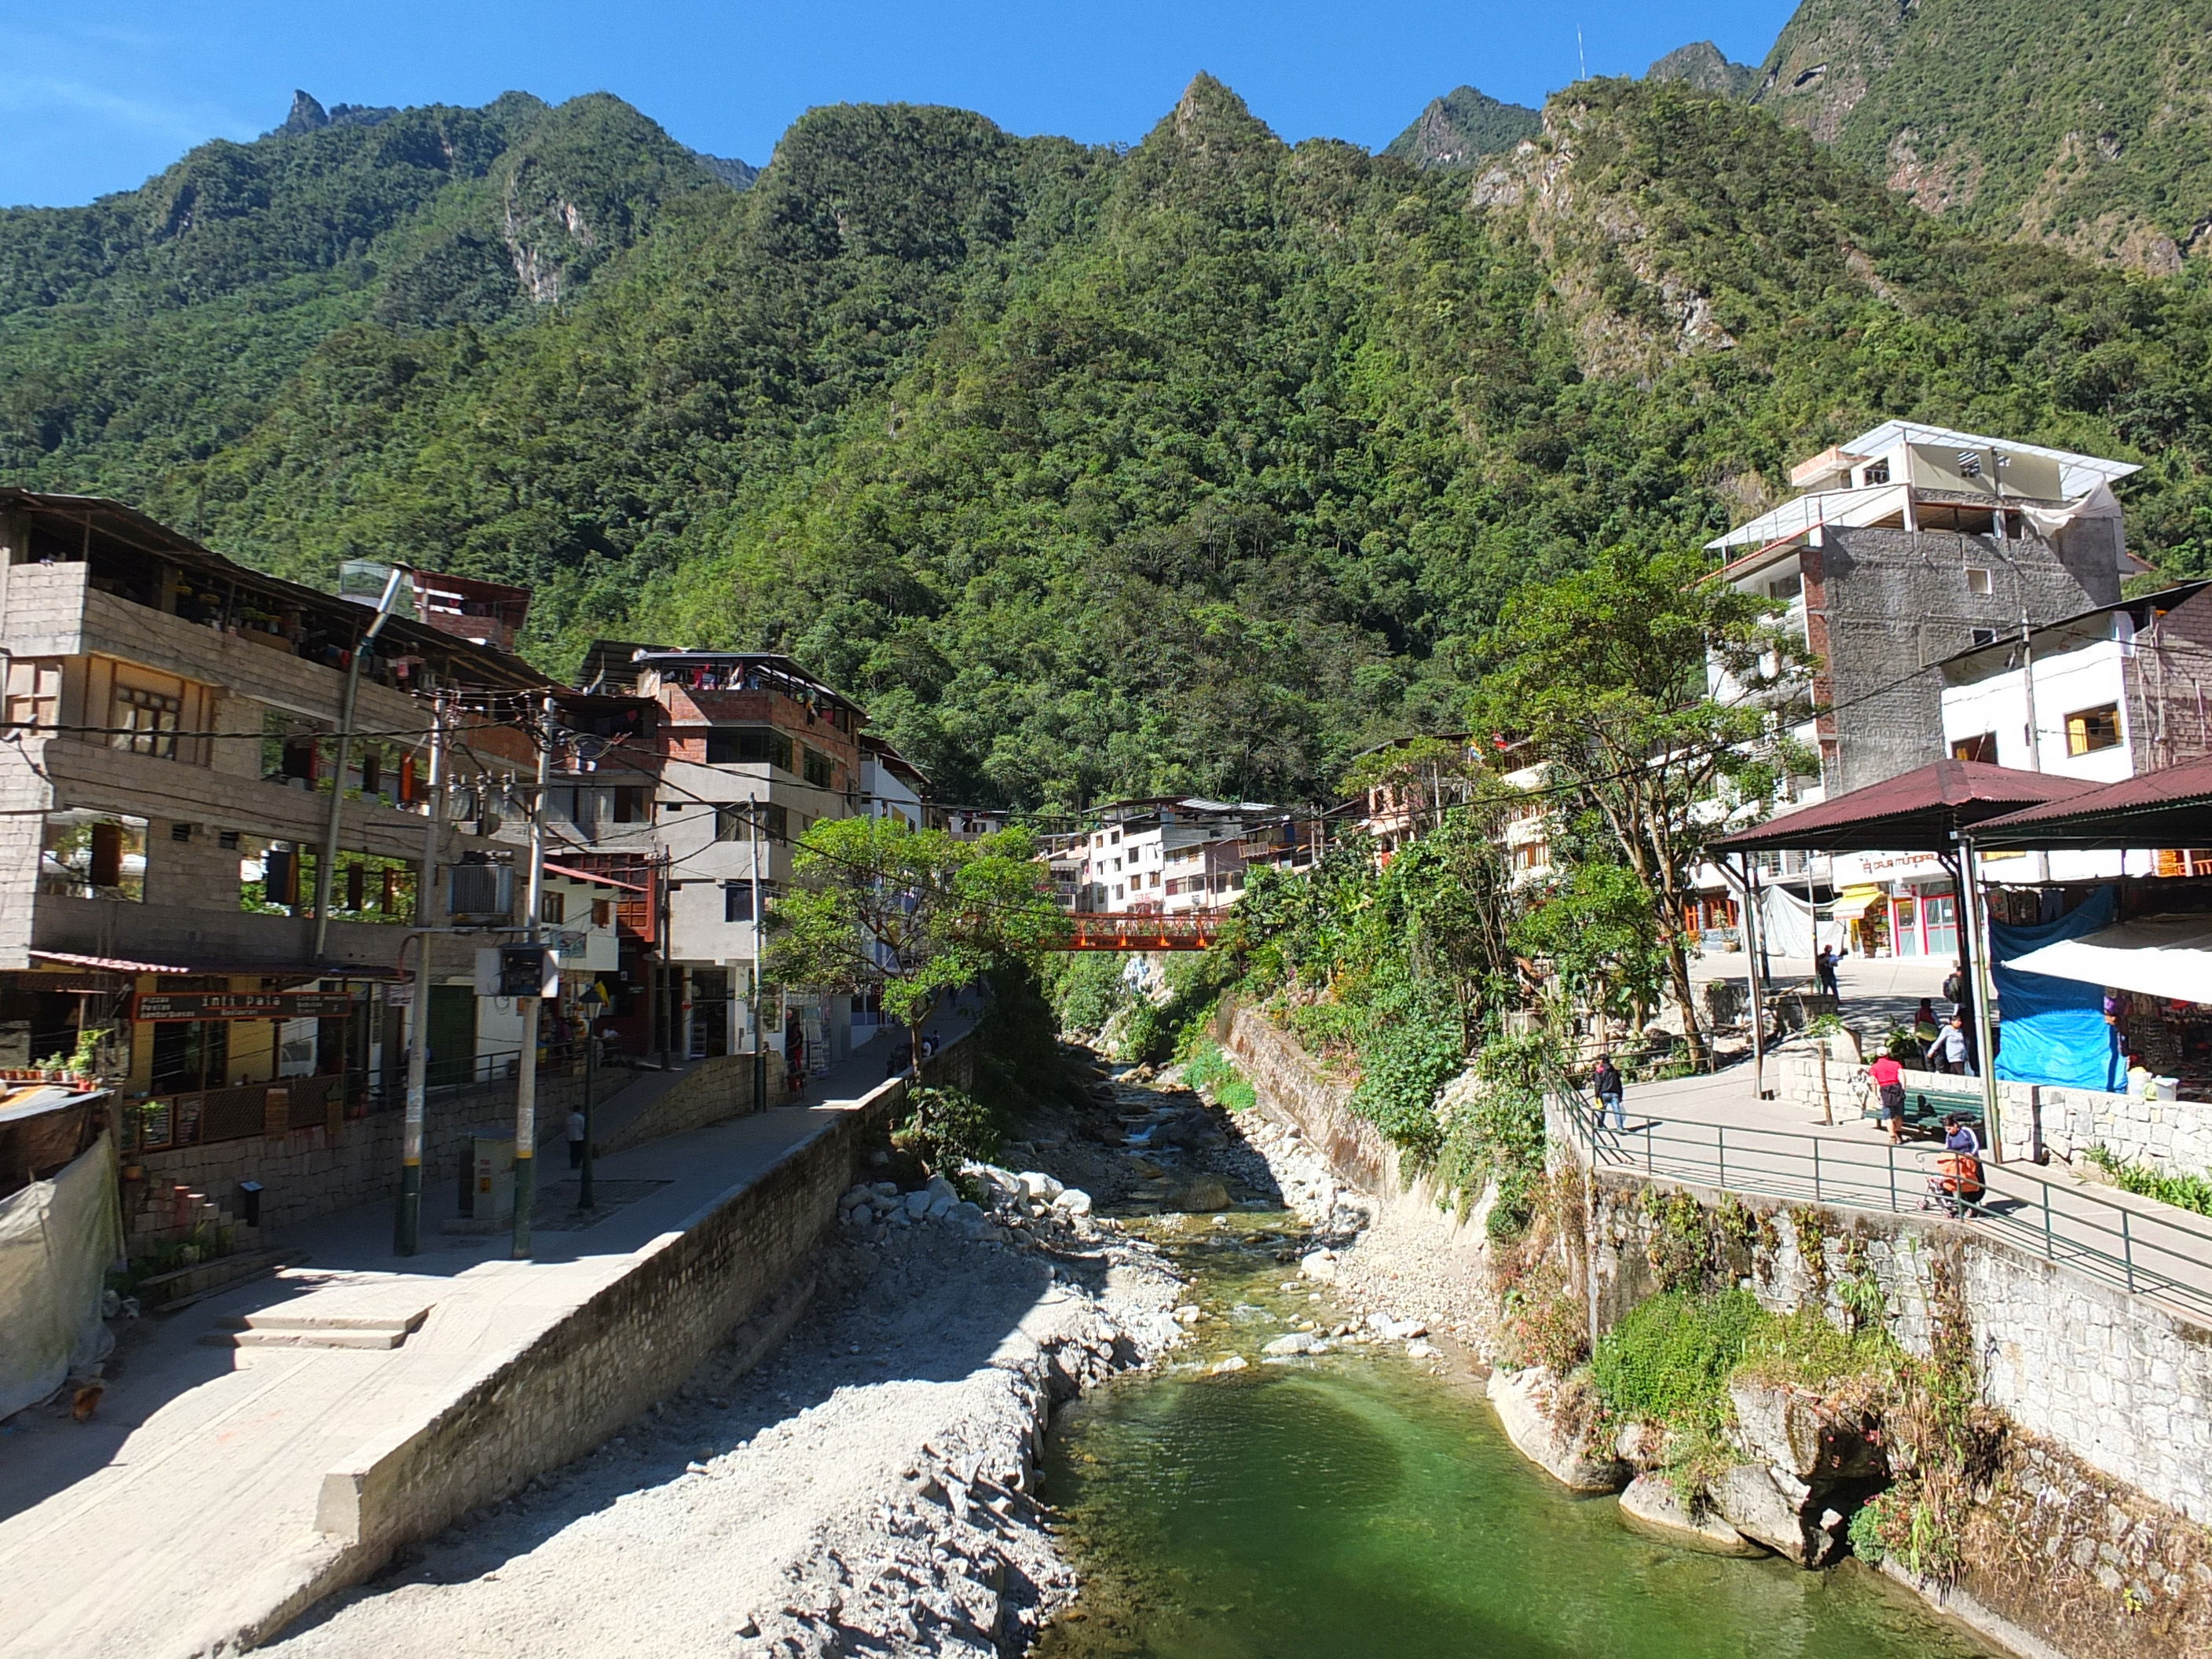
(525, 1071)
(407, 1226)
(326, 866)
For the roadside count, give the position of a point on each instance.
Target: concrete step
(217, 1273)
(250, 1339)
(337, 1318)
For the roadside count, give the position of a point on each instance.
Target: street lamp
(592, 1003)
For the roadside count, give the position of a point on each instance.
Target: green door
(452, 1051)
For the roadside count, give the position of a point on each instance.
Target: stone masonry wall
(591, 1369)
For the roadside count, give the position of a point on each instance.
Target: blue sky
(95, 97)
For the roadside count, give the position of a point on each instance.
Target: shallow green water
(1356, 1505)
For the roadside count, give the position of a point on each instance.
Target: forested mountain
(1461, 128)
(1193, 467)
(142, 333)
(2086, 123)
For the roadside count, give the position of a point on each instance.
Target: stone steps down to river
(342, 1317)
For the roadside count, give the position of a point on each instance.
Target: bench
(1927, 1106)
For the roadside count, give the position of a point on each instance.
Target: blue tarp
(2054, 1030)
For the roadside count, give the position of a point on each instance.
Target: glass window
(749, 748)
(147, 720)
(821, 770)
(1983, 748)
(1978, 579)
(2092, 729)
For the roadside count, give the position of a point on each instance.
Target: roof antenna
(1581, 60)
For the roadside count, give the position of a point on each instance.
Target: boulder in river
(1651, 1505)
(1527, 1403)
(1295, 1342)
(1321, 1265)
(1807, 1465)
(1201, 1193)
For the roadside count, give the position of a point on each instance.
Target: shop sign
(243, 1005)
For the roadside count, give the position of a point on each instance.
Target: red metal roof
(2169, 807)
(284, 970)
(1917, 812)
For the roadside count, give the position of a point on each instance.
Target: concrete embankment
(2081, 1531)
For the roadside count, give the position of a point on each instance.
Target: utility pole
(760, 1039)
(326, 866)
(525, 1071)
(407, 1228)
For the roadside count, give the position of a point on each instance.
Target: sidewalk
(184, 1512)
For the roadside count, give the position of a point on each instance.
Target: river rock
(1203, 1192)
(1321, 1265)
(1793, 1429)
(1236, 1362)
(1525, 1401)
(1650, 1505)
(1042, 1187)
(1418, 1349)
(917, 1203)
(1073, 1201)
(1295, 1342)
(1782, 1512)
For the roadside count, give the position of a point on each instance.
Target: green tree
(1605, 674)
(910, 913)
(1598, 929)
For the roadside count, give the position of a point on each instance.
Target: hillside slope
(1461, 128)
(2087, 125)
(144, 332)
(1194, 467)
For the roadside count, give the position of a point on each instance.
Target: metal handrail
(2160, 1251)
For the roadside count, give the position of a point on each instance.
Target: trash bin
(249, 1202)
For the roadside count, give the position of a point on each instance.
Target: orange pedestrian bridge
(1097, 931)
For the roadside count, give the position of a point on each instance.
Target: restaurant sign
(243, 1005)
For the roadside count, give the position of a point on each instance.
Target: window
(1786, 589)
(553, 908)
(631, 806)
(1983, 748)
(737, 899)
(94, 855)
(1877, 472)
(2092, 729)
(603, 912)
(821, 770)
(34, 694)
(1978, 579)
(148, 721)
(730, 822)
(372, 771)
(749, 748)
(1985, 635)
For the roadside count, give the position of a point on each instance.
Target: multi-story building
(891, 786)
(168, 777)
(736, 755)
(1150, 856)
(1907, 545)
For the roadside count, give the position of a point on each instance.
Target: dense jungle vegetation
(1196, 466)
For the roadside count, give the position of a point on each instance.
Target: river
(1358, 1504)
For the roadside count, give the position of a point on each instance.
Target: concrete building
(167, 783)
(1907, 545)
(891, 786)
(1166, 854)
(733, 756)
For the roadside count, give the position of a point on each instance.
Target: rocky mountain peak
(1703, 67)
(1461, 128)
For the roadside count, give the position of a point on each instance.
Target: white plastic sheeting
(57, 1240)
(1792, 930)
(2158, 956)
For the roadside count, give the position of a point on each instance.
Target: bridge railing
(1126, 931)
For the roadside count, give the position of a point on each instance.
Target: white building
(1152, 857)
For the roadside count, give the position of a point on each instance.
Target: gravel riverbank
(867, 1488)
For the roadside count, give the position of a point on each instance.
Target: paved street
(186, 1507)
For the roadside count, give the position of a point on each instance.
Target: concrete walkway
(185, 1511)
(1715, 1130)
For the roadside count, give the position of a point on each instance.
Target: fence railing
(2146, 1249)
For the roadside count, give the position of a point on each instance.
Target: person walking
(1889, 1078)
(576, 1137)
(1949, 1052)
(1824, 969)
(1611, 1094)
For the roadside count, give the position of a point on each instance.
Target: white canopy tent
(2159, 956)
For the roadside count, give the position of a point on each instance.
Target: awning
(265, 971)
(1919, 812)
(2159, 956)
(1855, 901)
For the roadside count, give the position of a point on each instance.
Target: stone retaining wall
(564, 1388)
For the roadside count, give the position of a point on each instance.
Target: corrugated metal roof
(2171, 807)
(1917, 812)
(282, 970)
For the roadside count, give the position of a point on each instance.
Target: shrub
(943, 1128)
(1208, 1070)
(2184, 1191)
(1668, 1361)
